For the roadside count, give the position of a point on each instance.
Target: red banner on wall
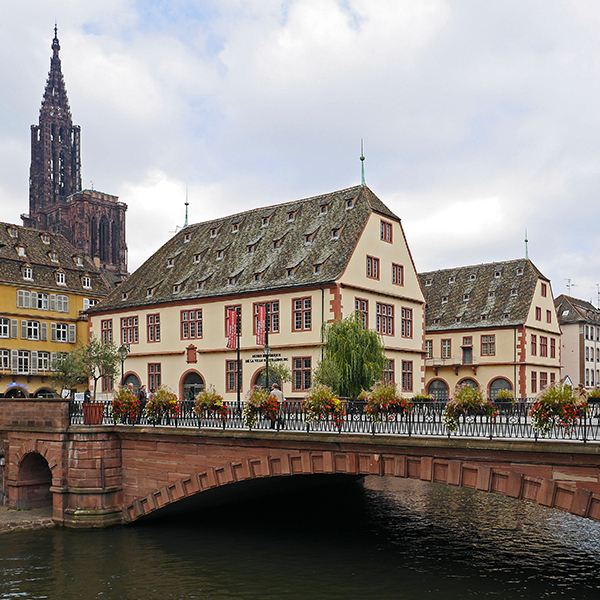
(261, 317)
(232, 328)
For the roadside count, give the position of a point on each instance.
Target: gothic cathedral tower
(92, 221)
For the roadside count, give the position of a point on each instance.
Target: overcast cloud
(480, 119)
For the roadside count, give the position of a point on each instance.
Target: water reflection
(389, 539)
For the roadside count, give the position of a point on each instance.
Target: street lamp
(123, 351)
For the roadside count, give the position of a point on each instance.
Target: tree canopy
(353, 357)
(87, 361)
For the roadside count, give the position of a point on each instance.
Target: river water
(388, 538)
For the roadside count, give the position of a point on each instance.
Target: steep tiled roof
(299, 243)
(486, 295)
(574, 310)
(39, 256)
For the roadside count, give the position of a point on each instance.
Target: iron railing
(511, 421)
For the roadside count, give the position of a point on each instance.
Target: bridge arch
(481, 477)
(34, 479)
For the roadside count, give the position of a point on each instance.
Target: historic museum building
(92, 221)
(45, 287)
(491, 325)
(580, 324)
(309, 261)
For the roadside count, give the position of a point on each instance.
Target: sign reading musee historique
(257, 358)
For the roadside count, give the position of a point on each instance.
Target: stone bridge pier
(95, 476)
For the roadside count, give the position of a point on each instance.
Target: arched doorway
(260, 379)
(438, 389)
(499, 384)
(34, 481)
(16, 392)
(134, 380)
(192, 384)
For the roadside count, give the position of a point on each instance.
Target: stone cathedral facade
(94, 222)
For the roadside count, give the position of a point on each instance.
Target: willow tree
(353, 357)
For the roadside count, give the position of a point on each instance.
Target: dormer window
(451, 279)
(491, 294)
(277, 243)
(309, 237)
(213, 232)
(21, 250)
(318, 268)
(13, 232)
(349, 204)
(53, 256)
(265, 221)
(197, 257)
(259, 276)
(444, 299)
(200, 285)
(177, 288)
(187, 237)
(506, 315)
(291, 216)
(484, 317)
(251, 248)
(235, 228)
(150, 292)
(28, 273)
(428, 283)
(466, 297)
(220, 254)
(290, 272)
(520, 271)
(124, 295)
(335, 234)
(45, 238)
(513, 292)
(79, 261)
(436, 321)
(458, 320)
(60, 278)
(323, 209)
(497, 274)
(170, 262)
(472, 277)
(232, 280)
(86, 282)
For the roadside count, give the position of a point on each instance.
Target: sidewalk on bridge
(12, 519)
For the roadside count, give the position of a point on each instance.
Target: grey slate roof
(258, 256)
(38, 257)
(485, 295)
(573, 310)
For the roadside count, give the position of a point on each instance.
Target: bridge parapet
(34, 412)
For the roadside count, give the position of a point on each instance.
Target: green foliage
(353, 357)
(384, 401)
(87, 361)
(68, 371)
(467, 401)
(504, 396)
(558, 405)
(259, 402)
(163, 403)
(125, 407)
(595, 393)
(321, 404)
(210, 404)
(422, 398)
(281, 372)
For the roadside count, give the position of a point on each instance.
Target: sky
(480, 120)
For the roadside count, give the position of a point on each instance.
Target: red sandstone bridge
(109, 474)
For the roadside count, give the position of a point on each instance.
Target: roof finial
(186, 207)
(362, 163)
(526, 247)
(55, 45)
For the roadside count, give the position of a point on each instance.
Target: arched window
(470, 382)
(499, 384)
(193, 384)
(131, 378)
(261, 379)
(438, 389)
